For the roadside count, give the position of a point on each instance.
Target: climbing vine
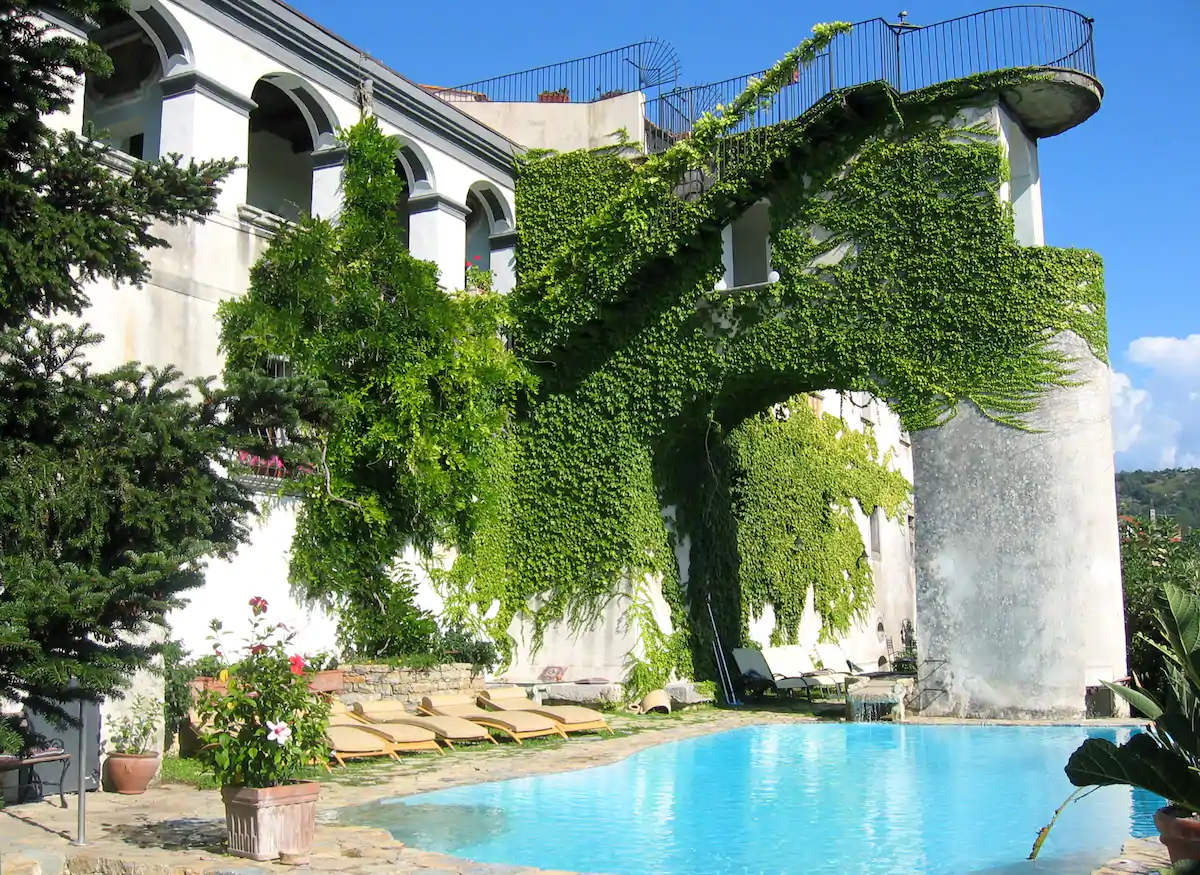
(632, 424)
(423, 391)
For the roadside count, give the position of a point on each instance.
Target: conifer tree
(112, 485)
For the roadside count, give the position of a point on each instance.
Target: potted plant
(259, 734)
(131, 765)
(1165, 759)
(560, 95)
(326, 676)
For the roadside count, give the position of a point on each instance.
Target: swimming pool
(812, 798)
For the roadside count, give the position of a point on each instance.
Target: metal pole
(80, 768)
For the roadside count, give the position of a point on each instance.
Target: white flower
(278, 732)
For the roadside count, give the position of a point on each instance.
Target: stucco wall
(562, 126)
(259, 568)
(1018, 563)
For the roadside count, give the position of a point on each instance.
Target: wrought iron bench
(24, 766)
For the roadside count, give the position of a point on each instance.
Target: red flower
(297, 664)
(258, 605)
(257, 649)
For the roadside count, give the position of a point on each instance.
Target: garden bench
(24, 767)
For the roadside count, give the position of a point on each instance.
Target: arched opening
(479, 232)
(279, 153)
(125, 109)
(487, 216)
(752, 245)
(403, 215)
(414, 173)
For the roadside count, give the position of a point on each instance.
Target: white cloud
(1171, 357)
(1156, 418)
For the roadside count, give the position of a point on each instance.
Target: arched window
(479, 232)
(279, 154)
(125, 109)
(487, 217)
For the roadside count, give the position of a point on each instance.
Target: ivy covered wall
(648, 390)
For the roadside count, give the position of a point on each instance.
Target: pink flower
(258, 605)
(257, 649)
(278, 732)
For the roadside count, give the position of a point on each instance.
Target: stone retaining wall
(370, 683)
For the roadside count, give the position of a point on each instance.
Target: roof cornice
(316, 53)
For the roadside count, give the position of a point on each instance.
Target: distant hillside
(1174, 493)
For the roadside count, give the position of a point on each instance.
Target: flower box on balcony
(607, 94)
(562, 95)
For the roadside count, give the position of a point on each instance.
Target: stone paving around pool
(176, 829)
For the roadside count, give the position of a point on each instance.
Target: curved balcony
(648, 66)
(909, 57)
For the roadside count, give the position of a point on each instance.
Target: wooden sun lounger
(572, 718)
(517, 725)
(448, 730)
(400, 736)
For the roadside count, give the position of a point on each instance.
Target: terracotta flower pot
(273, 821)
(1179, 830)
(332, 681)
(130, 773)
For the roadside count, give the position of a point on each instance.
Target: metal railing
(648, 66)
(905, 56)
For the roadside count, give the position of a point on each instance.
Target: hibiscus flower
(278, 732)
(297, 664)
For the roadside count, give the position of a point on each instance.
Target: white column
(504, 267)
(204, 120)
(437, 232)
(328, 165)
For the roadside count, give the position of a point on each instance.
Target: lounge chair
(572, 718)
(833, 656)
(449, 730)
(792, 660)
(757, 676)
(402, 737)
(357, 742)
(518, 725)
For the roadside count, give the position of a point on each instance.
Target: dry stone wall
(370, 683)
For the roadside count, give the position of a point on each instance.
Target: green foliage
(111, 494)
(797, 484)
(267, 726)
(1173, 493)
(422, 391)
(653, 387)
(457, 644)
(647, 423)
(134, 732)
(1165, 759)
(1153, 554)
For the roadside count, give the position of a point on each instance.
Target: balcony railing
(649, 66)
(907, 57)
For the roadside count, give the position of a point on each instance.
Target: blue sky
(1124, 184)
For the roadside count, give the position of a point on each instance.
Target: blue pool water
(812, 798)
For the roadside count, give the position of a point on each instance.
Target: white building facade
(256, 81)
